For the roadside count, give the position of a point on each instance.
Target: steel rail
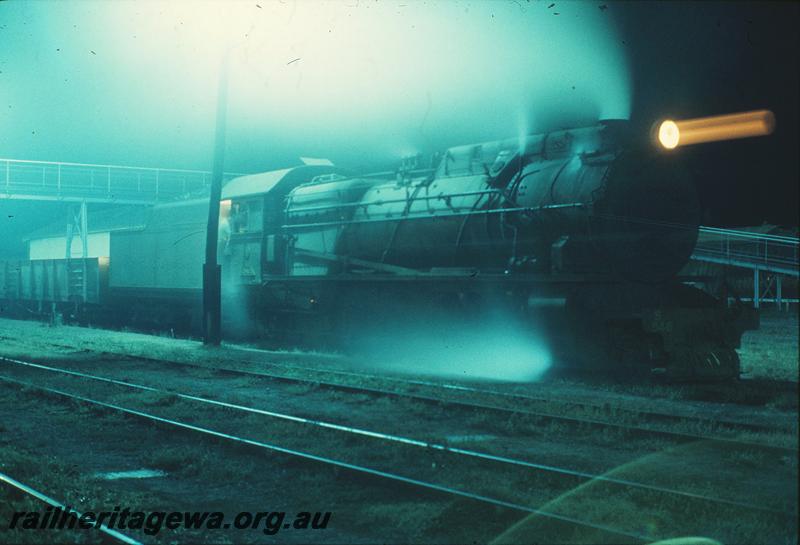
(474, 405)
(117, 536)
(400, 439)
(683, 436)
(328, 461)
(647, 414)
(743, 426)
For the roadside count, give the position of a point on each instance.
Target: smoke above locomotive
(360, 82)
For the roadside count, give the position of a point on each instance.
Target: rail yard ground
(394, 458)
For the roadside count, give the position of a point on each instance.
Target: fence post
(756, 289)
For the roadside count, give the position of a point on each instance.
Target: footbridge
(89, 183)
(770, 257)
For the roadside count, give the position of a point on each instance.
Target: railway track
(115, 536)
(423, 391)
(384, 437)
(646, 415)
(324, 460)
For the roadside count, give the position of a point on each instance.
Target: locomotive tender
(576, 230)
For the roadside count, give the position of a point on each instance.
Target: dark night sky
(691, 59)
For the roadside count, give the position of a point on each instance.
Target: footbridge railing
(42, 180)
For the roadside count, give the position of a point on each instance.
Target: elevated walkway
(113, 184)
(769, 257)
(749, 250)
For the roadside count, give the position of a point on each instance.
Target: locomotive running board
(383, 267)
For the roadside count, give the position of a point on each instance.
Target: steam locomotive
(580, 231)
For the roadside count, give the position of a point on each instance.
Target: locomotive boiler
(573, 201)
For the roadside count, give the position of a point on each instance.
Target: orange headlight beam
(672, 134)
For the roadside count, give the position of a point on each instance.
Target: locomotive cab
(251, 211)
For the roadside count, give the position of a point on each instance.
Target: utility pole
(212, 277)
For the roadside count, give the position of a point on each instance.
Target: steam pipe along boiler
(579, 218)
